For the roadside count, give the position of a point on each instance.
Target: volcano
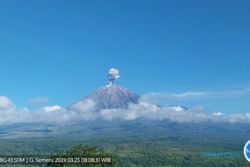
(111, 97)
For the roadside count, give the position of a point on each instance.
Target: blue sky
(63, 49)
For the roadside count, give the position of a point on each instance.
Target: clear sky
(63, 49)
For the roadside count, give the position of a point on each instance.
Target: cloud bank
(9, 113)
(85, 110)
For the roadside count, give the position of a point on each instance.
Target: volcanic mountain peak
(112, 96)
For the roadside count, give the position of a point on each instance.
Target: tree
(80, 153)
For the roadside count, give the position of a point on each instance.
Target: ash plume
(113, 74)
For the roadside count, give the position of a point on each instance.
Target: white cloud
(217, 114)
(177, 108)
(38, 100)
(83, 106)
(85, 110)
(54, 114)
(153, 97)
(5, 103)
(189, 94)
(52, 108)
(9, 113)
(154, 112)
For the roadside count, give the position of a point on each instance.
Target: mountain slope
(110, 97)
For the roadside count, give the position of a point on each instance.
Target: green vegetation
(128, 151)
(136, 144)
(80, 153)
